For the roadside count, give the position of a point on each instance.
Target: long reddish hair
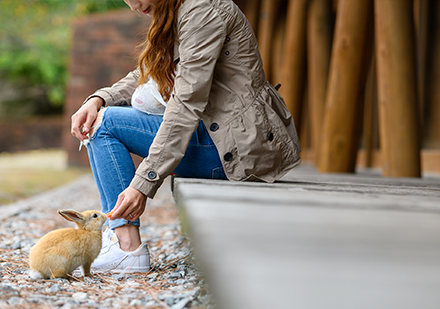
(156, 58)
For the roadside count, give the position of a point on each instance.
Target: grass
(29, 173)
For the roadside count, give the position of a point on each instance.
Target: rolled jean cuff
(121, 222)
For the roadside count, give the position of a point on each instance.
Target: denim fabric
(125, 130)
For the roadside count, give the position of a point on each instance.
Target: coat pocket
(277, 104)
(264, 146)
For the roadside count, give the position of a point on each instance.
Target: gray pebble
(150, 303)
(118, 276)
(54, 289)
(170, 300)
(177, 275)
(170, 257)
(80, 296)
(6, 287)
(136, 302)
(180, 281)
(152, 276)
(16, 245)
(14, 301)
(181, 304)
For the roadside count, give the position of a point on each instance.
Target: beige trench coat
(220, 80)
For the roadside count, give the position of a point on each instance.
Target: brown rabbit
(60, 252)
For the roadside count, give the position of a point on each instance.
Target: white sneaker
(113, 259)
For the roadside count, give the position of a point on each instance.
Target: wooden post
(319, 44)
(304, 136)
(433, 82)
(293, 73)
(277, 50)
(344, 100)
(252, 12)
(397, 88)
(266, 25)
(370, 133)
(421, 16)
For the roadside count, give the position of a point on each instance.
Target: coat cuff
(147, 187)
(101, 94)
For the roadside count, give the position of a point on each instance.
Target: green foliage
(34, 45)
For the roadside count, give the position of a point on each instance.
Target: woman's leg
(124, 130)
(201, 158)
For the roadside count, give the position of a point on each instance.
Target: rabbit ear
(72, 215)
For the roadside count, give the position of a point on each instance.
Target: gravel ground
(174, 280)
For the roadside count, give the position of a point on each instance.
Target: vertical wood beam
(319, 44)
(293, 72)
(252, 12)
(304, 136)
(370, 131)
(397, 88)
(266, 26)
(433, 82)
(344, 99)
(277, 50)
(421, 16)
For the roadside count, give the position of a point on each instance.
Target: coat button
(214, 127)
(227, 156)
(270, 136)
(227, 53)
(228, 39)
(151, 175)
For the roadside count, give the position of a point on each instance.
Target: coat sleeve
(119, 93)
(201, 35)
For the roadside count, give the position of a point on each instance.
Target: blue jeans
(125, 130)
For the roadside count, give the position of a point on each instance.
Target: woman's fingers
(77, 121)
(81, 122)
(117, 210)
(130, 205)
(83, 119)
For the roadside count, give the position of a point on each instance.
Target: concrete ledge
(316, 241)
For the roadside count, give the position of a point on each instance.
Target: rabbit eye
(95, 215)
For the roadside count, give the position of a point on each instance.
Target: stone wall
(30, 134)
(103, 51)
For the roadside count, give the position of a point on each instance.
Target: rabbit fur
(60, 252)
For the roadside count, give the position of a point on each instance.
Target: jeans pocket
(219, 173)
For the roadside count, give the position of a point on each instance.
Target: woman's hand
(130, 205)
(83, 119)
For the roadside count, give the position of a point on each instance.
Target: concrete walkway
(316, 241)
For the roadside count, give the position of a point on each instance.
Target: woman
(222, 120)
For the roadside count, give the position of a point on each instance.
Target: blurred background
(35, 44)
(361, 79)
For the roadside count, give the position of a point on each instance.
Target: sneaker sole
(131, 270)
(125, 270)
